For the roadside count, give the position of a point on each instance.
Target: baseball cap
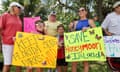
(116, 4)
(16, 4)
(53, 13)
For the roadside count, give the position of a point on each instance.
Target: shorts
(61, 62)
(7, 51)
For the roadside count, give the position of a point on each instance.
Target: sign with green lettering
(85, 46)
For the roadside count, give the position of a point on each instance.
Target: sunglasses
(18, 7)
(118, 6)
(82, 10)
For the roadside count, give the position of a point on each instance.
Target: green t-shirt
(97, 23)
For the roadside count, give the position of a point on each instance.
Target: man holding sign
(111, 26)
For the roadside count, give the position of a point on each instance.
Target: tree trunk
(99, 10)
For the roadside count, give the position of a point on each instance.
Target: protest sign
(85, 46)
(112, 45)
(34, 50)
(29, 24)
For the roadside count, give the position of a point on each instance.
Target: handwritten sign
(29, 24)
(35, 50)
(112, 45)
(85, 46)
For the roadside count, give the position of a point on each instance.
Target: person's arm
(92, 23)
(105, 25)
(1, 24)
(45, 30)
(71, 26)
(107, 33)
(75, 23)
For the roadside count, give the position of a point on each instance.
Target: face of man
(53, 18)
(117, 9)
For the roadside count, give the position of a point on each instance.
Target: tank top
(81, 24)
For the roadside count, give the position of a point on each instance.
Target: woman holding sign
(82, 24)
(10, 23)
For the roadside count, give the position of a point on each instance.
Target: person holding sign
(40, 28)
(10, 24)
(111, 26)
(51, 26)
(61, 64)
(82, 24)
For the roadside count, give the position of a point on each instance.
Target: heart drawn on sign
(92, 32)
(44, 63)
(98, 37)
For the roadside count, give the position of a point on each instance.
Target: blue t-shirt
(81, 24)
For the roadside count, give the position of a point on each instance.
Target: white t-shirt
(112, 23)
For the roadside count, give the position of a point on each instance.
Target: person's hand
(14, 38)
(59, 44)
(109, 34)
(71, 26)
(84, 29)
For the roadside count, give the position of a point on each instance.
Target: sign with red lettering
(85, 46)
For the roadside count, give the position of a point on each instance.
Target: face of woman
(16, 10)
(82, 12)
(40, 27)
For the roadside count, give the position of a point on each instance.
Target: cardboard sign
(112, 45)
(29, 24)
(35, 50)
(85, 46)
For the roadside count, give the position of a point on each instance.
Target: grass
(94, 66)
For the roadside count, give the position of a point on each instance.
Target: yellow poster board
(35, 50)
(85, 46)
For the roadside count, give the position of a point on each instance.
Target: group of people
(10, 24)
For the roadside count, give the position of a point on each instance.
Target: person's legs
(7, 51)
(18, 69)
(50, 70)
(65, 68)
(39, 70)
(6, 68)
(29, 69)
(74, 67)
(59, 69)
(86, 66)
